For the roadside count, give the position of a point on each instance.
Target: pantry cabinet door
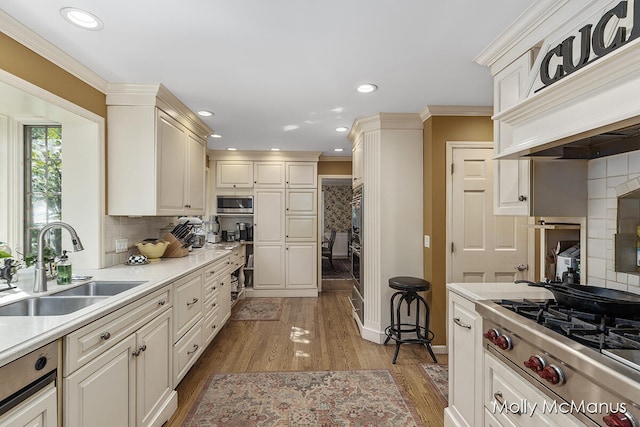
(268, 174)
(269, 216)
(301, 202)
(302, 174)
(269, 264)
(302, 261)
(234, 173)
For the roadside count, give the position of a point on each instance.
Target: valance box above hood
(592, 112)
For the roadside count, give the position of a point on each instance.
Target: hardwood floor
(312, 334)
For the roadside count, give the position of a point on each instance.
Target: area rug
(323, 398)
(258, 309)
(438, 377)
(341, 270)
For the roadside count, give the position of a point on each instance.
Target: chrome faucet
(41, 271)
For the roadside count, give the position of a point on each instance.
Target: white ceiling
(264, 66)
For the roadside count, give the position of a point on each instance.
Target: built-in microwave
(235, 205)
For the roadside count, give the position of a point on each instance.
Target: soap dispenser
(64, 269)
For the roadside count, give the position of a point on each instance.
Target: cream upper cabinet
(268, 174)
(234, 174)
(301, 228)
(155, 160)
(301, 174)
(512, 177)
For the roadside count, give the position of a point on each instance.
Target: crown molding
(334, 159)
(309, 156)
(379, 121)
(455, 110)
(23, 35)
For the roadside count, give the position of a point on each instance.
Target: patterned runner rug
(325, 398)
(258, 309)
(438, 377)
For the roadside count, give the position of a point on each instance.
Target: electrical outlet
(427, 241)
(122, 245)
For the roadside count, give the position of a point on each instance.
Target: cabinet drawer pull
(193, 301)
(212, 272)
(195, 348)
(162, 302)
(457, 321)
(105, 336)
(498, 397)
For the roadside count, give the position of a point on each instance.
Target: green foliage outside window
(43, 186)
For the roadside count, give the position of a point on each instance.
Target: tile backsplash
(134, 229)
(609, 177)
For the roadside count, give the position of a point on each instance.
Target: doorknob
(521, 267)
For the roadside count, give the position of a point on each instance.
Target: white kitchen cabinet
(268, 174)
(129, 351)
(357, 159)
(225, 297)
(269, 266)
(301, 265)
(301, 174)
(40, 410)
(188, 295)
(511, 186)
(156, 155)
(269, 216)
(102, 392)
(234, 174)
(465, 363)
(301, 202)
(187, 351)
(301, 229)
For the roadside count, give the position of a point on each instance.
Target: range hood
(607, 143)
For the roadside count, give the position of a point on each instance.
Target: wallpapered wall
(337, 208)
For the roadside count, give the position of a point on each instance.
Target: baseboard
(281, 293)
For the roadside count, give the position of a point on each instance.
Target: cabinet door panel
(301, 202)
(269, 216)
(196, 175)
(268, 174)
(172, 164)
(301, 228)
(154, 365)
(269, 266)
(302, 261)
(302, 175)
(234, 174)
(188, 303)
(102, 393)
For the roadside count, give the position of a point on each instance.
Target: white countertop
(493, 291)
(23, 334)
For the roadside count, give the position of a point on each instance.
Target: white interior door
(484, 247)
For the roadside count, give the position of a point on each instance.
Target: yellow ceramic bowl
(153, 250)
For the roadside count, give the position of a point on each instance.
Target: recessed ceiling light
(275, 149)
(338, 149)
(342, 129)
(367, 88)
(231, 148)
(216, 135)
(205, 113)
(81, 18)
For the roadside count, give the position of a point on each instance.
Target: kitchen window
(42, 184)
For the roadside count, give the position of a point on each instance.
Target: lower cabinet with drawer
(117, 370)
(187, 329)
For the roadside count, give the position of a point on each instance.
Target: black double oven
(357, 247)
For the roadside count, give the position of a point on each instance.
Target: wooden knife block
(175, 248)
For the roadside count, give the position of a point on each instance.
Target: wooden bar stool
(409, 333)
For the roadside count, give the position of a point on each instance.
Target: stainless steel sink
(48, 306)
(98, 288)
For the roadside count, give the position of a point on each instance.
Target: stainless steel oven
(356, 217)
(356, 267)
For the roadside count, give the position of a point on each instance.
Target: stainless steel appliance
(585, 363)
(356, 248)
(26, 376)
(235, 204)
